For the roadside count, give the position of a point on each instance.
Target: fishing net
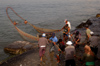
(27, 36)
(24, 35)
(43, 30)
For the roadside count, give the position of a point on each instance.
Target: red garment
(63, 43)
(42, 51)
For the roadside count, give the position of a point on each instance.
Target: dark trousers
(70, 62)
(95, 50)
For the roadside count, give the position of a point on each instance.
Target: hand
(38, 46)
(50, 41)
(71, 34)
(66, 33)
(74, 55)
(75, 42)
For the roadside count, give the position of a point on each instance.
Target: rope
(14, 12)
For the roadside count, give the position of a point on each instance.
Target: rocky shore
(18, 47)
(31, 57)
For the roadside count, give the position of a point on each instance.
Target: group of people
(67, 47)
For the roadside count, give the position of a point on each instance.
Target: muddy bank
(31, 58)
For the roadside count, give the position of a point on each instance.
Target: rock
(88, 22)
(83, 24)
(98, 15)
(18, 47)
(95, 27)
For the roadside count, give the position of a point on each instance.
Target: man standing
(69, 54)
(88, 35)
(42, 45)
(55, 47)
(67, 22)
(66, 31)
(54, 40)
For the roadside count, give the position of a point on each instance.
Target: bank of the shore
(31, 58)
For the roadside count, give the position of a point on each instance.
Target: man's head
(87, 48)
(86, 26)
(66, 21)
(60, 40)
(53, 34)
(77, 33)
(66, 25)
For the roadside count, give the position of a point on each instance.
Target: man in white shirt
(67, 22)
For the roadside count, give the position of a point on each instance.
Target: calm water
(42, 13)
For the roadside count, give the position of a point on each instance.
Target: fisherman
(42, 45)
(66, 32)
(77, 38)
(54, 40)
(67, 22)
(55, 47)
(61, 45)
(88, 35)
(25, 22)
(94, 43)
(89, 57)
(69, 54)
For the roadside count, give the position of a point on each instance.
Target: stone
(18, 47)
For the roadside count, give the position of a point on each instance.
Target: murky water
(42, 13)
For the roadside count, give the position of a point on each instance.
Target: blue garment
(54, 39)
(67, 35)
